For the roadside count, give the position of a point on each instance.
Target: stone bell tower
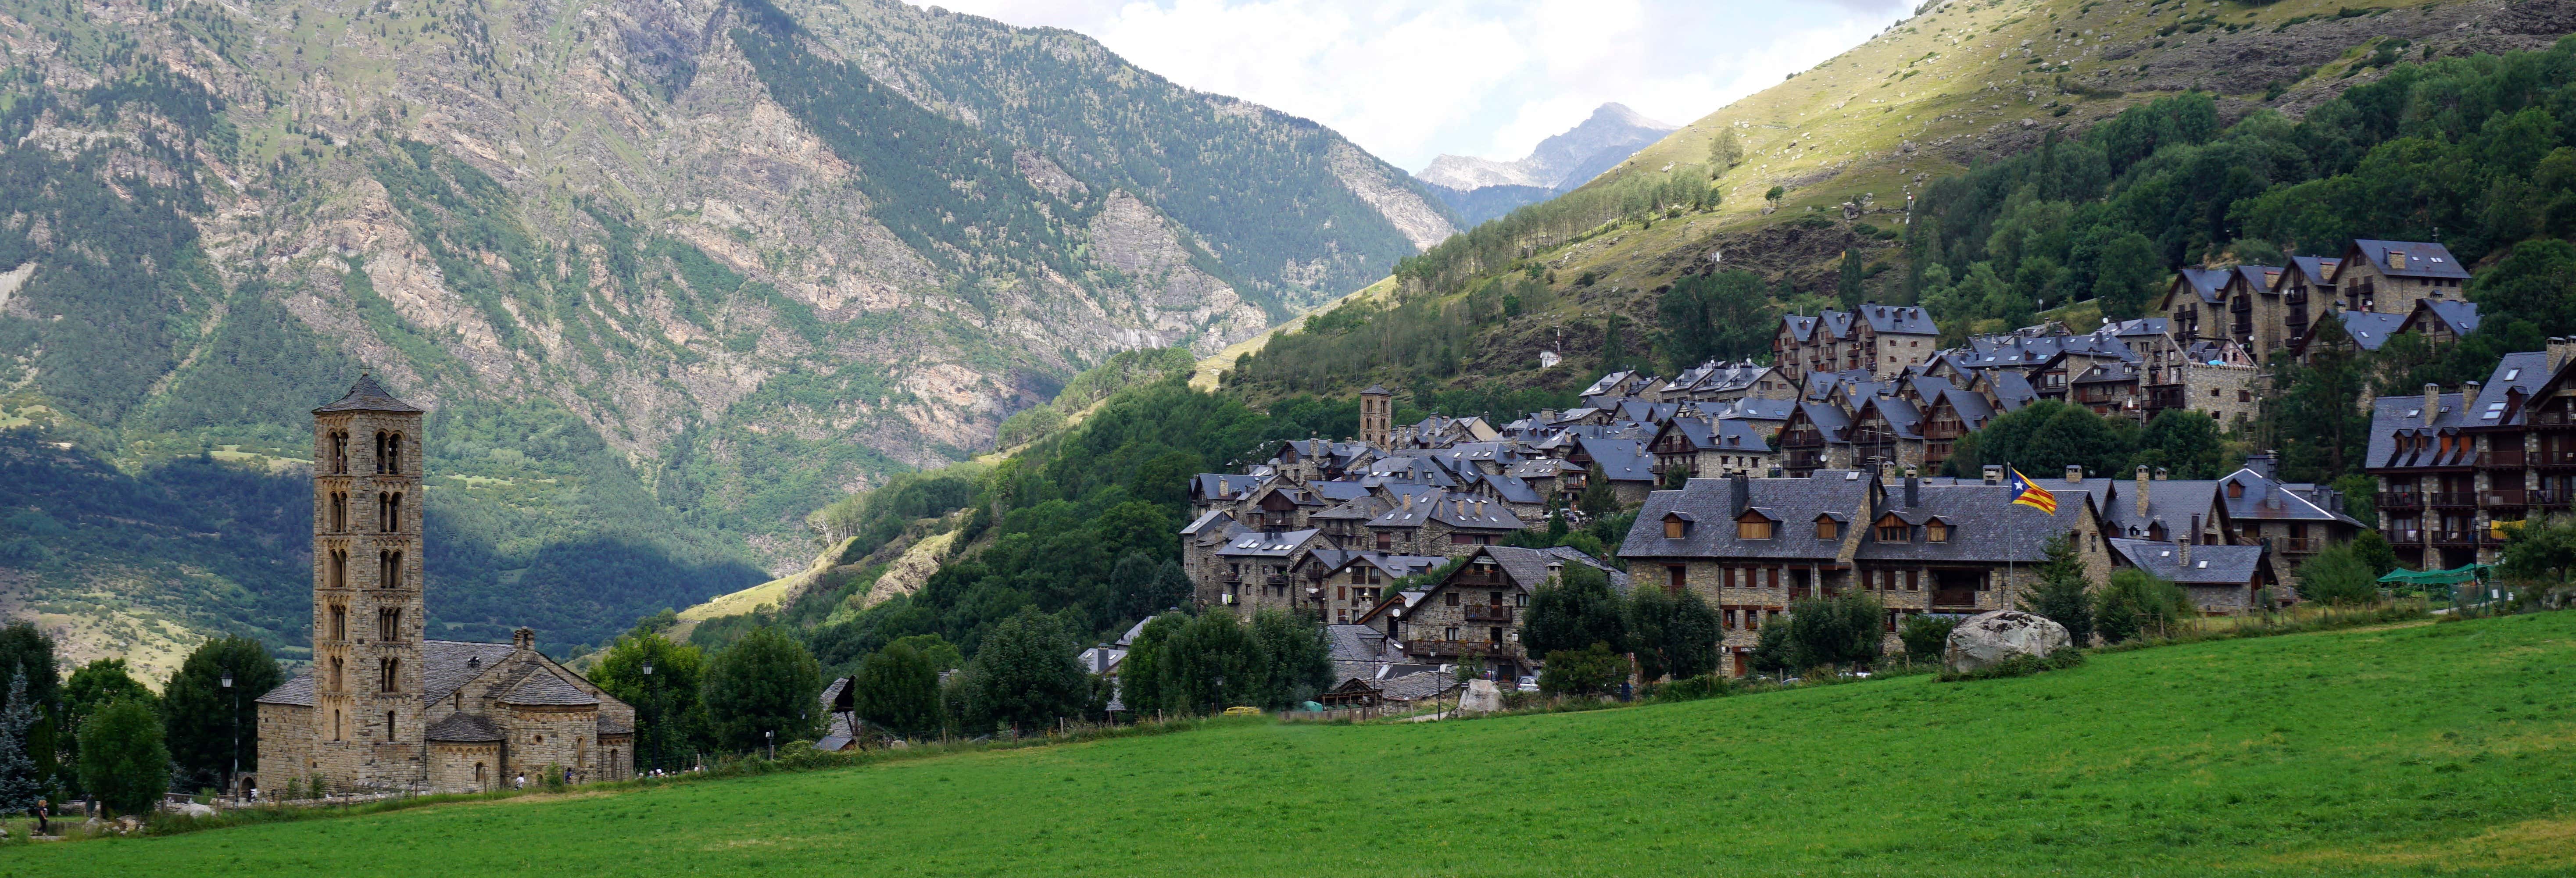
(367, 616)
(1377, 413)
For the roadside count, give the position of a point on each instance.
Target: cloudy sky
(1411, 79)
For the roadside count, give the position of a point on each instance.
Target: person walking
(521, 782)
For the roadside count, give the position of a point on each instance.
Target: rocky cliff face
(734, 256)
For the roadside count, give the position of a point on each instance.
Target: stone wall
(2227, 393)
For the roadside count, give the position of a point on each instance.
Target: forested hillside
(668, 276)
(1800, 196)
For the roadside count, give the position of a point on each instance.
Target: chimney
(1740, 491)
(2468, 396)
(2195, 529)
(2432, 403)
(2163, 474)
(1994, 474)
(524, 638)
(2265, 463)
(2142, 490)
(2561, 349)
(2074, 474)
(2183, 551)
(1913, 491)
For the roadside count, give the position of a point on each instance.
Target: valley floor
(2412, 749)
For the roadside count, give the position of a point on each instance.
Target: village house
(2390, 276)
(2221, 580)
(1443, 524)
(1749, 547)
(2458, 470)
(1342, 585)
(1475, 612)
(1883, 340)
(1701, 448)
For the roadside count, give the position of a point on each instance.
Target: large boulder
(1989, 638)
(1482, 696)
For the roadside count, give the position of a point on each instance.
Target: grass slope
(2410, 749)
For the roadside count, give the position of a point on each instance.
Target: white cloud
(1410, 79)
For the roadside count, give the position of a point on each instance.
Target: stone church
(384, 708)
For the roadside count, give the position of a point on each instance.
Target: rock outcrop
(1990, 638)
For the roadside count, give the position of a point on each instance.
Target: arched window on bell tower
(339, 512)
(339, 452)
(380, 452)
(339, 622)
(336, 574)
(393, 453)
(388, 624)
(389, 569)
(338, 666)
(389, 511)
(388, 674)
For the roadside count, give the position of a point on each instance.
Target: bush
(1592, 670)
(1926, 638)
(2137, 603)
(123, 761)
(2339, 575)
(1694, 688)
(1846, 629)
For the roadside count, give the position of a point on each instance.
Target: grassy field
(2406, 750)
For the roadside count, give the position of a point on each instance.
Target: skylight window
(2510, 374)
(2414, 412)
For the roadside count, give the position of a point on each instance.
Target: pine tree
(20, 783)
(1848, 287)
(2061, 595)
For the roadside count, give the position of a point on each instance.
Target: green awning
(2455, 575)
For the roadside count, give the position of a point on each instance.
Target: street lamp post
(234, 721)
(772, 738)
(653, 701)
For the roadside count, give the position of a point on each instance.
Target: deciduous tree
(208, 725)
(765, 682)
(123, 760)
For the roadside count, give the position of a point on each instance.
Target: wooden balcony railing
(1459, 648)
(2400, 500)
(2297, 545)
(2452, 498)
(2551, 497)
(2403, 536)
(1489, 613)
(2451, 537)
(2501, 497)
(2551, 457)
(2506, 458)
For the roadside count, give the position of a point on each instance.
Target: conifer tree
(20, 783)
(2061, 596)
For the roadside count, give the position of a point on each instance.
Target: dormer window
(1828, 529)
(2235, 489)
(1936, 531)
(1753, 526)
(1892, 529)
(1676, 525)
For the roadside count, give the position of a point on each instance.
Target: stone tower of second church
(1377, 414)
(367, 612)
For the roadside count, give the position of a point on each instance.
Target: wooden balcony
(2457, 538)
(2297, 545)
(2501, 459)
(2549, 498)
(2403, 536)
(1461, 648)
(1489, 613)
(2502, 497)
(2551, 458)
(2462, 499)
(2400, 500)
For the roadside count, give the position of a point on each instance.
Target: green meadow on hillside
(2404, 750)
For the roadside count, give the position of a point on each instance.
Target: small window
(1936, 532)
(1450, 599)
(1828, 529)
(1894, 530)
(1677, 576)
(1755, 529)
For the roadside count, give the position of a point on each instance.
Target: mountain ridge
(1481, 188)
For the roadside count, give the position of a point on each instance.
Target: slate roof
(1511, 489)
(2370, 329)
(1898, 319)
(2461, 318)
(1985, 526)
(1800, 327)
(1355, 643)
(1267, 544)
(2526, 370)
(2142, 326)
(2313, 269)
(1758, 409)
(2392, 416)
(2422, 259)
(2012, 389)
(1395, 566)
(1099, 659)
(1623, 460)
(367, 396)
(1225, 485)
(543, 689)
(2172, 501)
(1607, 383)
(2210, 564)
(463, 727)
(1738, 434)
(1454, 510)
(2267, 499)
(2205, 281)
(447, 664)
(1529, 568)
(297, 692)
(1338, 492)
(1211, 519)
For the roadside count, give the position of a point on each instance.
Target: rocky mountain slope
(1846, 145)
(670, 274)
(1481, 189)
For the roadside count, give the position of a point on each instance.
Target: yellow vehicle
(1243, 711)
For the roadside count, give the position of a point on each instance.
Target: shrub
(123, 760)
(2137, 603)
(2338, 575)
(1926, 637)
(1590, 671)
(1711, 685)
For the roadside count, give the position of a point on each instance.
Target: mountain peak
(1611, 134)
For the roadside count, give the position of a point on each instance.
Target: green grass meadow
(2419, 749)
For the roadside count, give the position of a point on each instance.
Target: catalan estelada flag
(2033, 496)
